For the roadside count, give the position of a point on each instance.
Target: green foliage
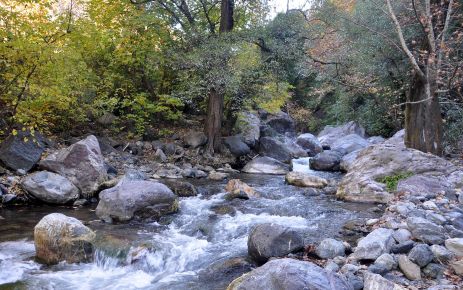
(393, 180)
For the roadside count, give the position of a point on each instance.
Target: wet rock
(214, 175)
(309, 143)
(331, 134)
(330, 248)
(181, 188)
(274, 148)
(441, 254)
(50, 187)
(289, 274)
(248, 125)
(272, 240)
(377, 161)
(221, 273)
(421, 255)
(195, 139)
(374, 244)
(326, 161)
(349, 143)
(377, 282)
(266, 165)
(236, 186)
(411, 270)
(348, 160)
(425, 230)
(402, 247)
(236, 146)
(305, 180)
(455, 245)
(146, 199)
(82, 163)
(21, 151)
(61, 238)
(434, 271)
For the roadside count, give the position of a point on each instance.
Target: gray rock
(22, 151)
(289, 274)
(411, 270)
(376, 282)
(378, 269)
(282, 123)
(376, 140)
(195, 139)
(272, 240)
(387, 261)
(330, 248)
(425, 230)
(374, 244)
(455, 245)
(61, 238)
(421, 255)
(332, 266)
(434, 271)
(349, 143)
(82, 163)
(309, 143)
(266, 165)
(331, 134)
(181, 188)
(354, 281)
(428, 186)
(106, 119)
(236, 146)
(403, 247)
(133, 174)
(402, 235)
(50, 187)
(129, 198)
(274, 148)
(222, 272)
(441, 254)
(326, 161)
(348, 160)
(160, 156)
(305, 180)
(248, 125)
(214, 175)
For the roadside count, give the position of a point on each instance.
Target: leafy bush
(392, 181)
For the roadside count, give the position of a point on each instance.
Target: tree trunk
(214, 121)
(423, 119)
(213, 124)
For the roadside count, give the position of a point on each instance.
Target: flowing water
(179, 252)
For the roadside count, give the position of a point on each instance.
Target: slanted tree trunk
(213, 124)
(423, 119)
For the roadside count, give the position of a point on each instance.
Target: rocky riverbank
(415, 242)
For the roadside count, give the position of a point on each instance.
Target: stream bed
(180, 251)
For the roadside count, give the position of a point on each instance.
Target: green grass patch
(391, 181)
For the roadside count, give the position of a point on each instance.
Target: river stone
(377, 282)
(21, 151)
(50, 187)
(331, 134)
(402, 235)
(82, 163)
(223, 272)
(130, 198)
(266, 165)
(349, 143)
(195, 139)
(305, 180)
(441, 254)
(455, 245)
(434, 271)
(457, 266)
(421, 255)
(236, 186)
(361, 183)
(425, 230)
(411, 270)
(218, 176)
(274, 148)
(236, 146)
(403, 247)
(61, 238)
(309, 143)
(181, 188)
(387, 261)
(326, 161)
(330, 248)
(374, 244)
(272, 240)
(348, 160)
(248, 125)
(289, 274)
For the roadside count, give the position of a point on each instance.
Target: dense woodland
(386, 64)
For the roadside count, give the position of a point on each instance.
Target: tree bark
(423, 119)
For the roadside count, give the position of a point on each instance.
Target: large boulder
(236, 145)
(349, 143)
(330, 134)
(348, 160)
(22, 151)
(195, 139)
(326, 161)
(82, 163)
(129, 198)
(378, 161)
(309, 143)
(274, 148)
(273, 240)
(61, 238)
(281, 122)
(305, 180)
(248, 126)
(423, 185)
(50, 187)
(289, 274)
(266, 165)
(375, 244)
